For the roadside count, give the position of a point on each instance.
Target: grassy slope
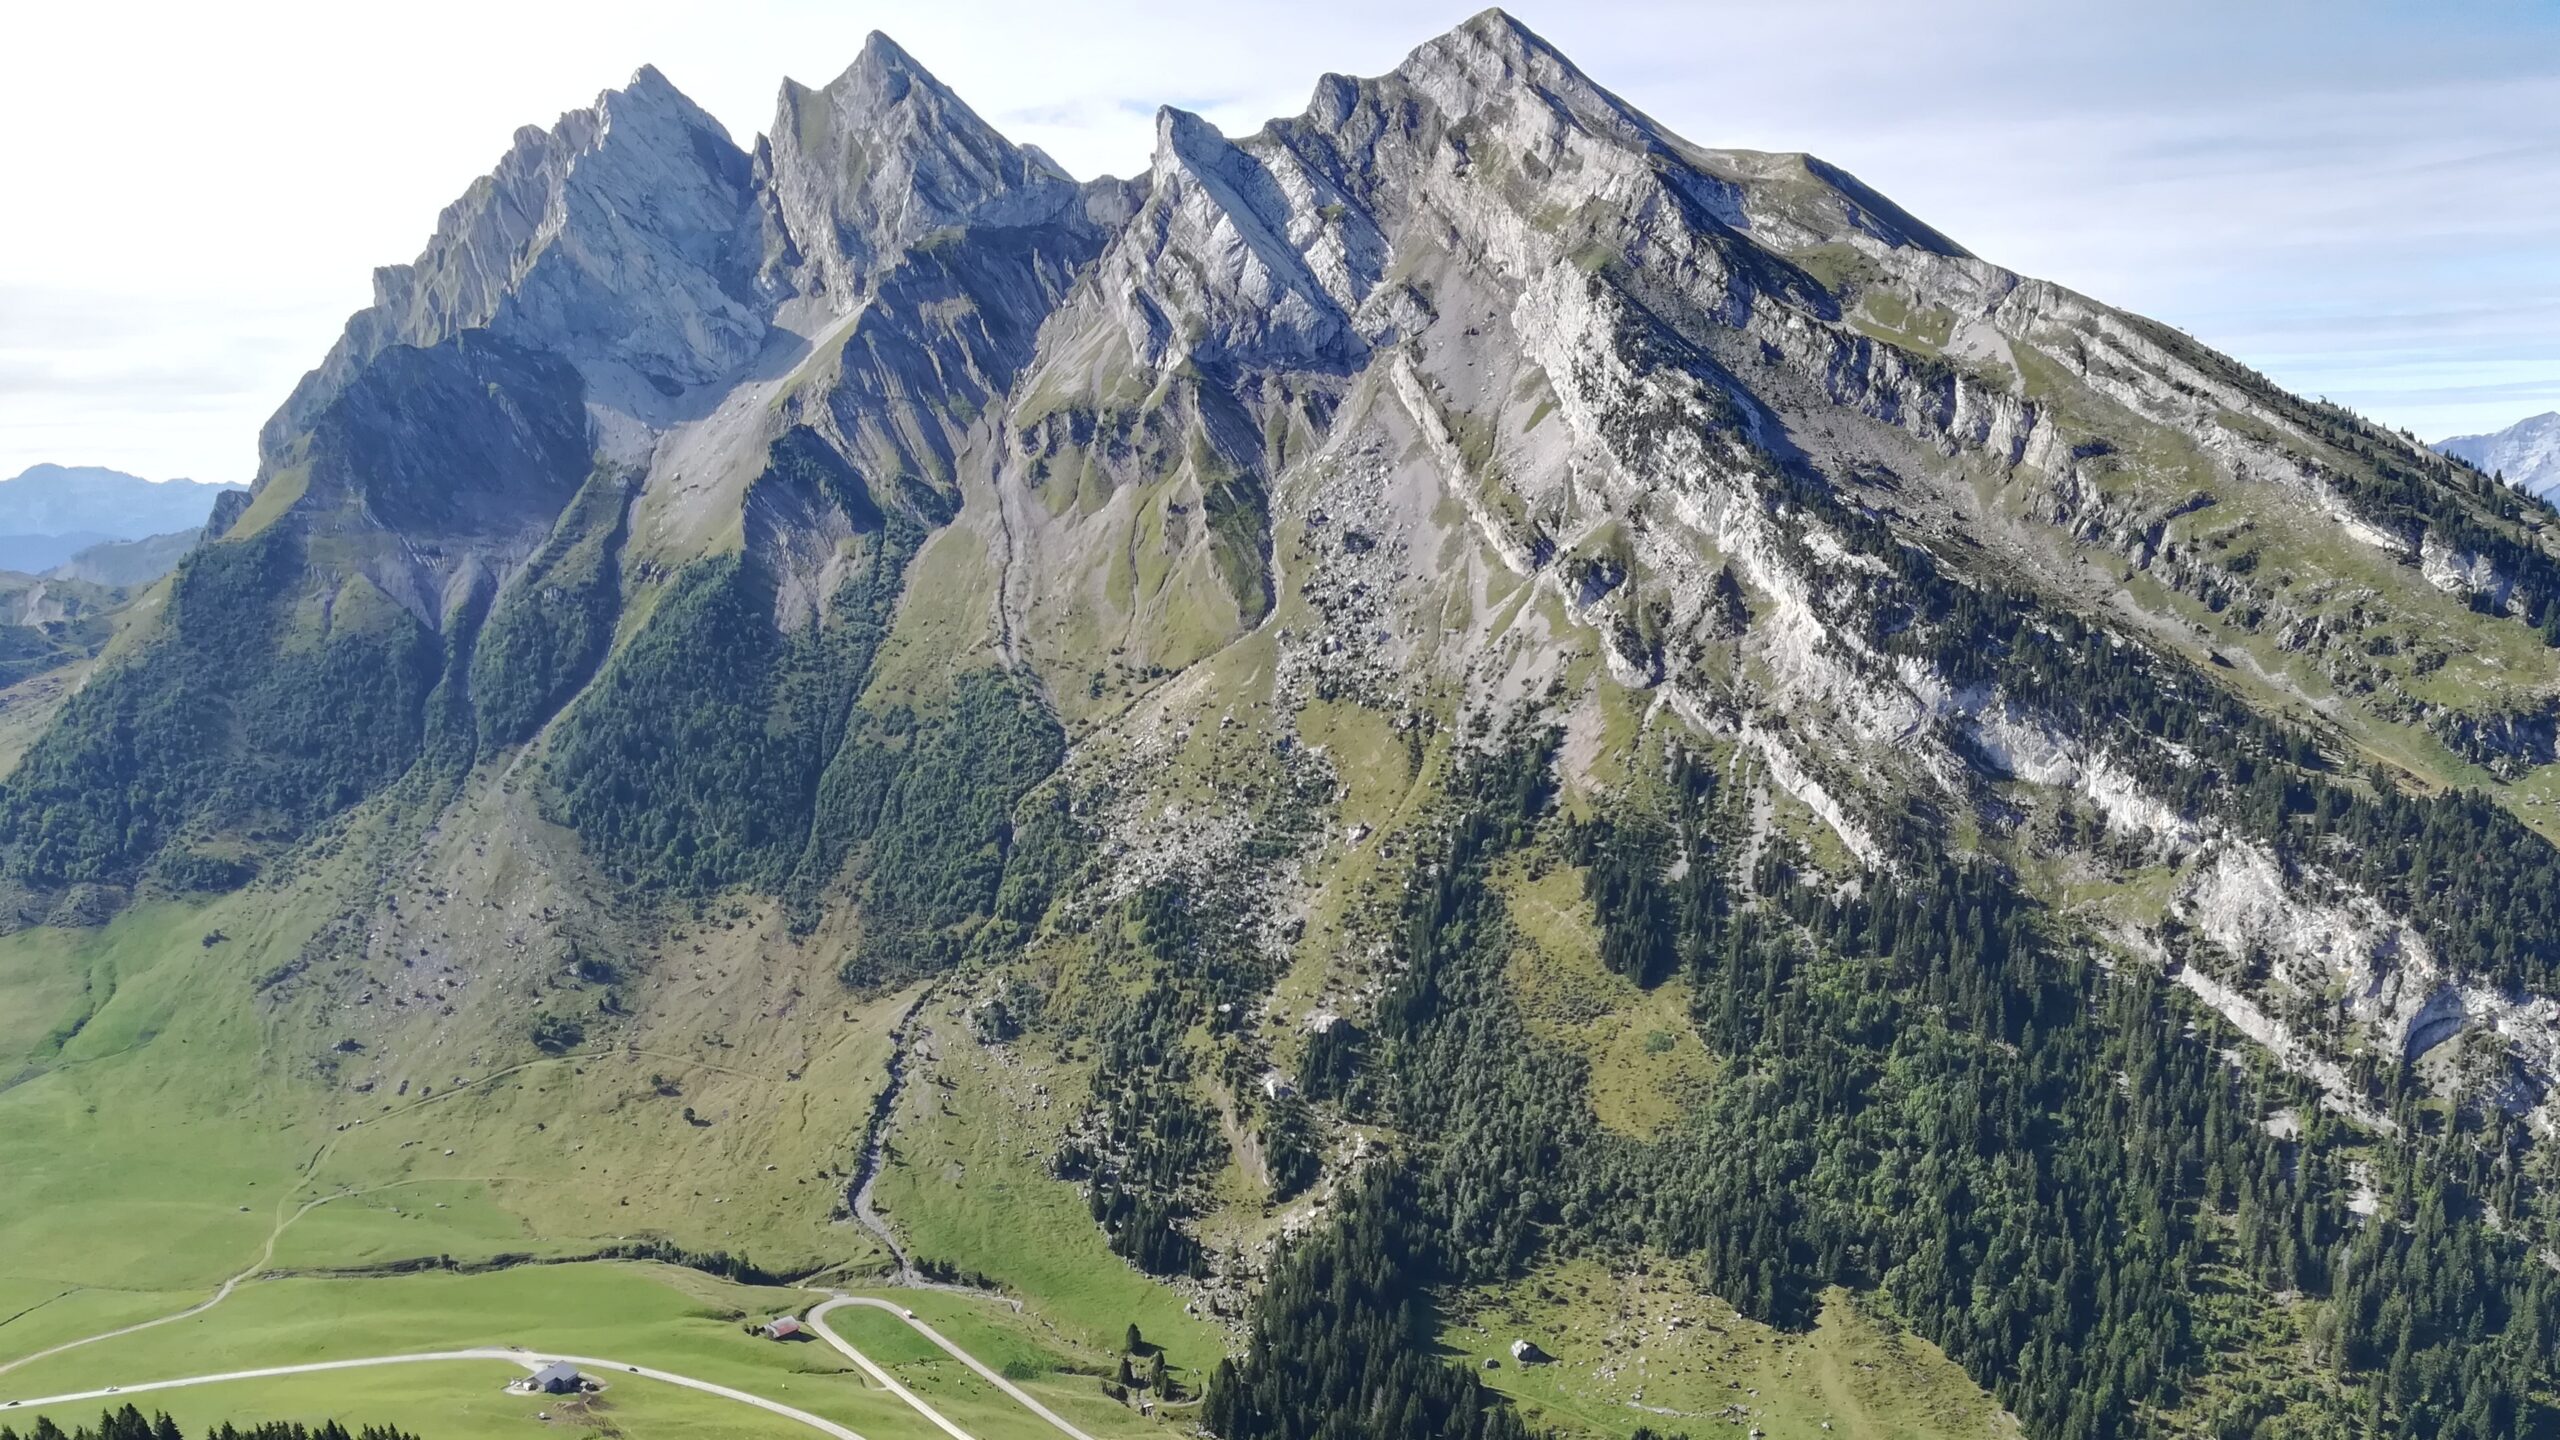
(587, 1148)
(149, 1142)
(159, 1131)
(168, 1117)
(968, 1182)
(141, 1137)
(1652, 1349)
(1064, 1375)
(652, 1315)
(2441, 653)
(460, 1400)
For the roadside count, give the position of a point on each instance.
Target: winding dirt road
(265, 1257)
(818, 1322)
(534, 1360)
(531, 1360)
(284, 1221)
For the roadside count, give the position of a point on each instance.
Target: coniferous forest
(1938, 1095)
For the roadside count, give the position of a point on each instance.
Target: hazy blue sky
(2361, 198)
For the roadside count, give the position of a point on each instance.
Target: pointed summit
(1184, 135)
(885, 69)
(651, 80)
(1497, 29)
(1492, 58)
(649, 98)
(612, 238)
(884, 155)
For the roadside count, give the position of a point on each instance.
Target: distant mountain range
(2527, 453)
(50, 513)
(129, 563)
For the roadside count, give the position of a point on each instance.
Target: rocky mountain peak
(883, 156)
(650, 89)
(655, 114)
(886, 70)
(1504, 93)
(1229, 238)
(1492, 61)
(614, 238)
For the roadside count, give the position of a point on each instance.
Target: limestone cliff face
(621, 275)
(1501, 314)
(617, 239)
(1469, 381)
(878, 160)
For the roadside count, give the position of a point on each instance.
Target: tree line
(127, 1423)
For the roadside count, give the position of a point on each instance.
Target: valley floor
(226, 1239)
(234, 1248)
(435, 1353)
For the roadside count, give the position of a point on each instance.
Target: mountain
(76, 499)
(2527, 453)
(1461, 719)
(48, 513)
(129, 563)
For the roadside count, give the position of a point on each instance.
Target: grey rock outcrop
(881, 158)
(619, 239)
